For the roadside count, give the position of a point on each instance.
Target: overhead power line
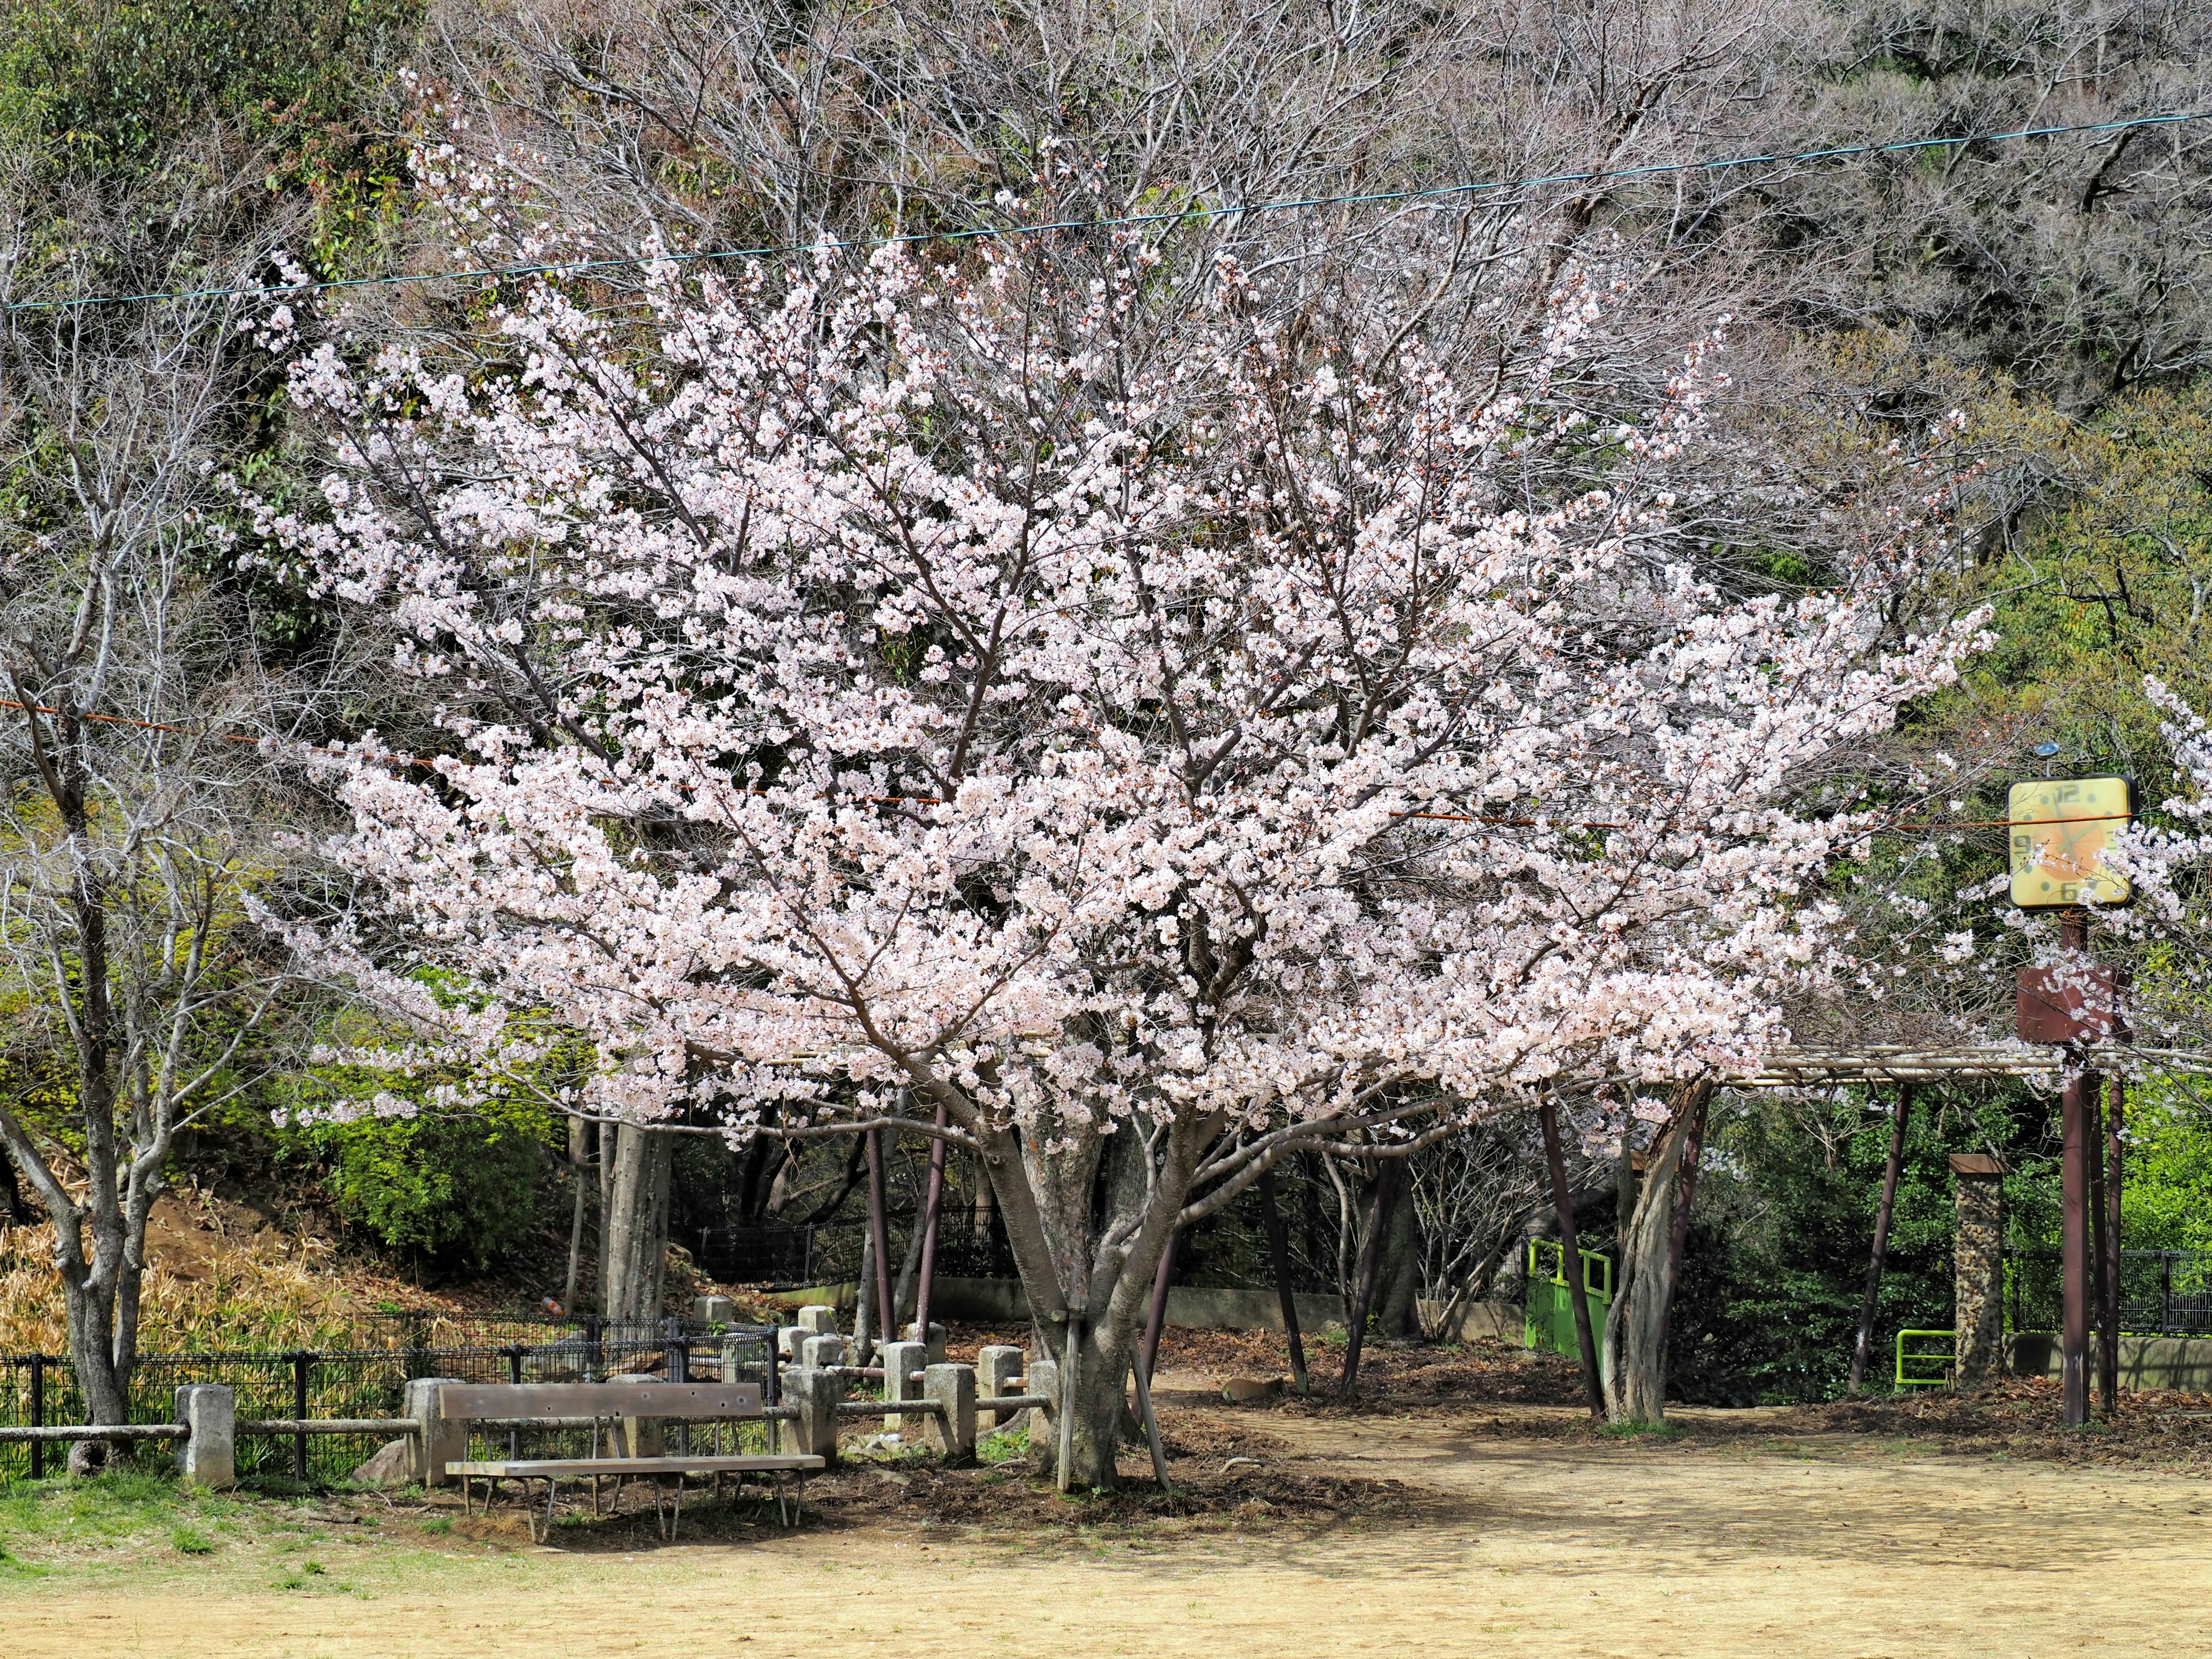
(1175, 216)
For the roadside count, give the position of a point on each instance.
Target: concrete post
(816, 1393)
(818, 1319)
(436, 1441)
(714, 1310)
(788, 1337)
(816, 1353)
(210, 1457)
(1978, 1267)
(935, 1341)
(997, 1369)
(901, 1361)
(953, 1388)
(1042, 1376)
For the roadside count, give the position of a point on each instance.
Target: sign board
(2060, 828)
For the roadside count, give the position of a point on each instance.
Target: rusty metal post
(2108, 1333)
(1867, 1304)
(880, 1235)
(932, 1200)
(1156, 1318)
(2074, 1212)
(38, 1414)
(1571, 1257)
(1370, 1265)
(1279, 1258)
(302, 1363)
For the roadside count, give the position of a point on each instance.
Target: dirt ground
(1463, 1509)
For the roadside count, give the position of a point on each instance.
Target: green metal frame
(1947, 1359)
(1548, 1318)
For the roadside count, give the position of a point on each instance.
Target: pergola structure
(2090, 1204)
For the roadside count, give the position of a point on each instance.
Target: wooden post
(2108, 1334)
(1861, 1349)
(1571, 1257)
(1278, 1255)
(1156, 1318)
(1371, 1264)
(879, 1240)
(2074, 1211)
(932, 1200)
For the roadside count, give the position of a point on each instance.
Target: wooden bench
(552, 1405)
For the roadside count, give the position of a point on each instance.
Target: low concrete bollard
(935, 1341)
(816, 1353)
(209, 1456)
(815, 1392)
(997, 1369)
(714, 1310)
(953, 1430)
(901, 1361)
(818, 1319)
(437, 1441)
(1043, 1379)
(787, 1339)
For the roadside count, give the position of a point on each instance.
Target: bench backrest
(684, 1401)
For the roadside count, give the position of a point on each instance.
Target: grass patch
(439, 1526)
(191, 1541)
(1007, 1446)
(1643, 1431)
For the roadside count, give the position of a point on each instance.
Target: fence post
(901, 1361)
(515, 1353)
(595, 1357)
(437, 1441)
(2165, 1293)
(815, 1392)
(302, 1363)
(208, 1456)
(953, 1388)
(38, 1414)
(996, 1368)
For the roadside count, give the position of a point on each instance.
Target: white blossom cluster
(930, 679)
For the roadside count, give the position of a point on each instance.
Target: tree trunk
(635, 1226)
(1643, 1295)
(1397, 1305)
(579, 1182)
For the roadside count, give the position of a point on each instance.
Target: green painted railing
(1916, 1357)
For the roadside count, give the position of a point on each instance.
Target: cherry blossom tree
(1062, 704)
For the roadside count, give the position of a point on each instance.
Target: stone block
(818, 1319)
(1978, 1269)
(209, 1456)
(815, 1392)
(787, 1339)
(393, 1466)
(997, 1369)
(935, 1341)
(437, 1441)
(952, 1431)
(714, 1310)
(1043, 1377)
(902, 1360)
(818, 1353)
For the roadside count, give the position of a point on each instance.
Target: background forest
(2051, 299)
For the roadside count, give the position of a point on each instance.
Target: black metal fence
(42, 1389)
(2162, 1293)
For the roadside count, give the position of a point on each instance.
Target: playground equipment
(1549, 1316)
(1927, 1359)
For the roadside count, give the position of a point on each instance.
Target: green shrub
(456, 1190)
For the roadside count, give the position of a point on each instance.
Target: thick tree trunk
(1644, 1294)
(1397, 1312)
(635, 1225)
(581, 1181)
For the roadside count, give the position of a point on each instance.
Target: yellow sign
(2060, 828)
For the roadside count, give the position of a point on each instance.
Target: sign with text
(2060, 828)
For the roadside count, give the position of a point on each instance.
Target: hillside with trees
(1135, 603)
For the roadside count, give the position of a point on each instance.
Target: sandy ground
(1508, 1541)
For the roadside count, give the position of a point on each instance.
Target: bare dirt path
(1507, 1540)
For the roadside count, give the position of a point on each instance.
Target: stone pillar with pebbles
(209, 1458)
(1977, 1266)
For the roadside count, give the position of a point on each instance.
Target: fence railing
(365, 1385)
(2162, 1293)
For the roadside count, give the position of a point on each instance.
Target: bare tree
(131, 833)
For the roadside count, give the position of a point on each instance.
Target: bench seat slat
(576, 1468)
